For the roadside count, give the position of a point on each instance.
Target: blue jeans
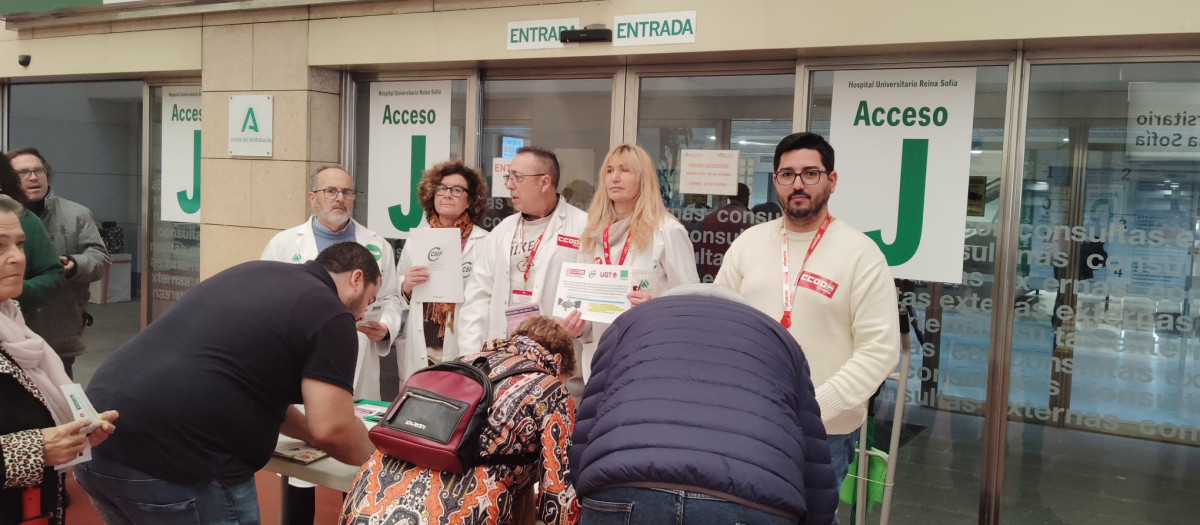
(841, 450)
(123, 495)
(634, 505)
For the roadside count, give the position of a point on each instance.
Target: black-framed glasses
(518, 177)
(25, 174)
(457, 191)
(807, 177)
(332, 193)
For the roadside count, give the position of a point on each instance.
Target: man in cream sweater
(839, 301)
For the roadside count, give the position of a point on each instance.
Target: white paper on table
(441, 250)
(600, 292)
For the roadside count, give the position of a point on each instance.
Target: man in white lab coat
(516, 274)
(331, 195)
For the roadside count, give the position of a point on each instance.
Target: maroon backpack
(436, 420)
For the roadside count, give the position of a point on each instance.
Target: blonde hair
(648, 208)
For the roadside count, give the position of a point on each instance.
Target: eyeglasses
(25, 174)
(807, 177)
(518, 177)
(332, 193)
(456, 191)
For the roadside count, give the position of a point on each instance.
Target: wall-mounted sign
(653, 29)
(250, 133)
(510, 145)
(180, 186)
(499, 170)
(712, 172)
(1164, 121)
(903, 143)
(410, 132)
(539, 34)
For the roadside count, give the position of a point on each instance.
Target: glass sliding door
(939, 459)
(745, 113)
(571, 117)
(91, 135)
(1105, 402)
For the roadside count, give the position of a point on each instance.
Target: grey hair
(312, 176)
(10, 205)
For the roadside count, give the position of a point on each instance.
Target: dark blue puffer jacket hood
(705, 392)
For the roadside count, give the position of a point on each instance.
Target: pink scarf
(36, 359)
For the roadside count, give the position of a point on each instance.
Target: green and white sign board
(1164, 121)
(903, 143)
(539, 34)
(180, 185)
(653, 29)
(250, 133)
(410, 132)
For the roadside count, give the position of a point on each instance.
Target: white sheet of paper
(441, 250)
(79, 404)
(81, 408)
(374, 313)
(600, 292)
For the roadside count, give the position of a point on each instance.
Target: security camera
(24, 60)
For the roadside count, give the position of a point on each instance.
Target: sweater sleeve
(875, 330)
(43, 270)
(473, 319)
(730, 274)
(23, 462)
(679, 258)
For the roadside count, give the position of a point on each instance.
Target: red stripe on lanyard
(533, 252)
(786, 321)
(624, 250)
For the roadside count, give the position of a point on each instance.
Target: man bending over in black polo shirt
(204, 389)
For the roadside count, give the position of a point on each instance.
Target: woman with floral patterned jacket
(530, 413)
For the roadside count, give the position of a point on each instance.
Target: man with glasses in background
(827, 284)
(516, 274)
(61, 318)
(331, 195)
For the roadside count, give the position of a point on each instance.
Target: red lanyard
(533, 252)
(788, 295)
(624, 250)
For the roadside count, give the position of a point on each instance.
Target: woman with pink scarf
(37, 429)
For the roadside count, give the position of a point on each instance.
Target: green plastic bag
(876, 474)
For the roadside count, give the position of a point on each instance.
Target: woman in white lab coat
(453, 196)
(628, 225)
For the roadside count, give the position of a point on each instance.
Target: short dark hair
(805, 140)
(10, 184)
(33, 151)
(349, 256)
(476, 188)
(548, 157)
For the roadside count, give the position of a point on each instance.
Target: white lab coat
(490, 285)
(298, 245)
(411, 351)
(668, 261)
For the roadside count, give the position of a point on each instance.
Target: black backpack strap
(509, 459)
(496, 380)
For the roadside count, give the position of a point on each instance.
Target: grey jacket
(60, 320)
